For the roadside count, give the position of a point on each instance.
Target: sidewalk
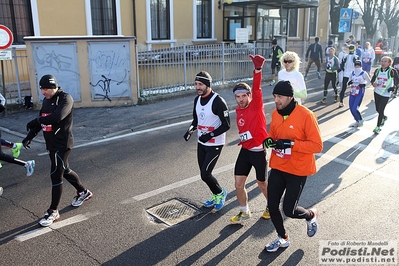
(98, 123)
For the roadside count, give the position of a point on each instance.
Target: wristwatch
(292, 143)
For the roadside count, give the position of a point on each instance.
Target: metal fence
(14, 83)
(169, 70)
(173, 69)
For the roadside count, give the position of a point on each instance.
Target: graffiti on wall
(109, 65)
(59, 60)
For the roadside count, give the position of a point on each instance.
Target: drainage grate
(173, 211)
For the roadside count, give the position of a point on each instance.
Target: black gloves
(26, 143)
(188, 133)
(278, 144)
(27, 140)
(350, 82)
(269, 143)
(206, 137)
(33, 125)
(391, 89)
(362, 85)
(282, 144)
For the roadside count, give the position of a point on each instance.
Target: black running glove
(205, 137)
(188, 133)
(26, 143)
(269, 143)
(283, 144)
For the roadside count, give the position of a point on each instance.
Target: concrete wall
(97, 71)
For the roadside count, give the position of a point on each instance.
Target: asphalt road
(356, 191)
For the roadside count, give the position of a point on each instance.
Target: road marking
(57, 225)
(327, 138)
(331, 158)
(181, 183)
(379, 152)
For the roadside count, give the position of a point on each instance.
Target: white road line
(175, 185)
(358, 166)
(378, 152)
(328, 138)
(57, 225)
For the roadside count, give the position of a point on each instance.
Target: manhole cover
(173, 211)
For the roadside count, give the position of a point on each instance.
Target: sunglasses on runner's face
(288, 61)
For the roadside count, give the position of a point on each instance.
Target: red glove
(258, 61)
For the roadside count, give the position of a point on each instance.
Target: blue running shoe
(210, 202)
(30, 167)
(220, 200)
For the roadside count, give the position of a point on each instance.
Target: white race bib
(245, 136)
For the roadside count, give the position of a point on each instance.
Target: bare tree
(390, 15)
(371, 12)
(335, 9)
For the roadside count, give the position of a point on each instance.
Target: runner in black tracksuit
(55, 119)
(332, 67)
(211, 120)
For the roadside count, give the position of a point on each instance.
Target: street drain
(173, 211)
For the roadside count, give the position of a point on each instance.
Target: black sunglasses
(288, 61)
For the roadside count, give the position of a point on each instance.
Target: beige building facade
(156, 24)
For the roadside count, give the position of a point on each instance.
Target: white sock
(244, 209)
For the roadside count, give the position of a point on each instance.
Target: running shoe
(383, 120)
(49, 217)
(377, 130)
(17, 150)
(313, 225)
(210, 202)
(81, 197)
(356, 124)
(279, 242)
(336, 98)
(1, 166)
(318, 75)
(341, 105)
(266, 214)
(30, 167)
(242, 216)
(360, 123)
(324, 100)
(305, 78)
(1, 191)
(220, 200)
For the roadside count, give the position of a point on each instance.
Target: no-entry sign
(6, 37)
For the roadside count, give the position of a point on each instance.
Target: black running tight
(330, 77)
(59, 169)
(8, 158)
(380, 104)
(278, 183)
(207, 158)
(344, 85)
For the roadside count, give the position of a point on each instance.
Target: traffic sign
(6, 37)
(5, 54)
